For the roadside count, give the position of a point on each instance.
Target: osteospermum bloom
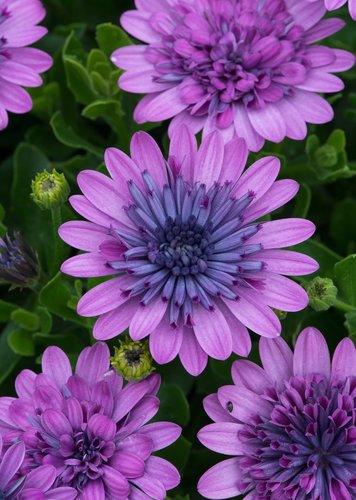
(37, 484)
(193, 267)
(290, 425)
(246, 67)
(337, 4)
(90, 428)
(20, 65)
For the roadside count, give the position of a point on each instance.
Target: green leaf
(21, 342)
(345, 274)
(177, 453)
(79, 81)
(25, 319)
(96, 57)
(302, 201)
(350, 324)
(343, 225)
(6, 309)
(8, 358)
(111, 37)
(322, 254)
(67, 135)
(173, 407)
(56, 296)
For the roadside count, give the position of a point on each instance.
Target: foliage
(79, 112)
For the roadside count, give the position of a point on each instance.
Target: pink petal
(258, 178)
(215, 411)
(245, 130)
(147, 318)
(147, 155)
(268, 123)
(113, 323)
(235, 157)
(311, 354)
(222, 438)
(249, 375)
(162, 434)
(162, 106)
(277, 359)
(165, 342)
(283, 233)
(93, 363)
(87, 265)
(183, 148)
(287, 262)
(83, 235)
(192, 356)
(56, 365)
(255, 315)
(220, 481)
(212, 332)
(210, 159)
(344, 360)
(104, 297)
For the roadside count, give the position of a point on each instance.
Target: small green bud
(322, 293)
(280, 314)
(49, 190)
(326, 156)
(132, 360)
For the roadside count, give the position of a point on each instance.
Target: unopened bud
(49, 190)
(132, 360)
(322, 293)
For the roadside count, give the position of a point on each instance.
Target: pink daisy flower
(86, 432)
(193, 268)
(20, 65)
(246, 67)
(337, 4)
(290, 426)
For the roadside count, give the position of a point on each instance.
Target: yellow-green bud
(280, 314)
(322, 293)
(326, 156)
(132, 360)
(49, 190)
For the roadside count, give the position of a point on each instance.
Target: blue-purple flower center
(309, 440)
(10, 254)
(250, 51)
(189, 246)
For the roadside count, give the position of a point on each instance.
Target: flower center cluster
(309, 440)
(248, 50)
(189, 244)
(89, 455)
(184, 246)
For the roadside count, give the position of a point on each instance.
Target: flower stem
(56, 222)
(342, 306)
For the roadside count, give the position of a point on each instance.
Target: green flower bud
(322, 293)
(326, 156)
(132, 360)
(49, 190)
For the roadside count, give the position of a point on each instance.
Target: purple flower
(337, 4)
(91, 429)
(291, 426)
(37, 485)
(247, 67)
(20, 65)
(193, 268)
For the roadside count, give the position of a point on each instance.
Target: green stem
(342, 306)
(56, 222)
